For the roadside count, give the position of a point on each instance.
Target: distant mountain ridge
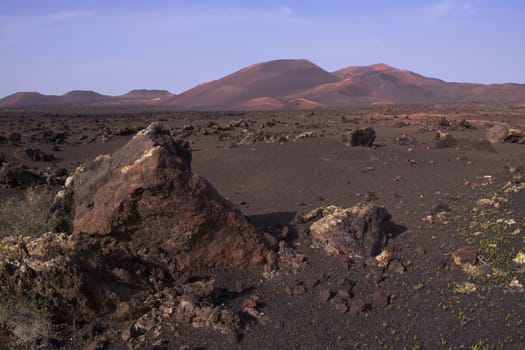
(291, 84)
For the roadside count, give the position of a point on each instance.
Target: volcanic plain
(448, 275)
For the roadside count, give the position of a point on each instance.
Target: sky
(54, 46)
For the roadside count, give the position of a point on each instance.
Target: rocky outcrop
(501, 132)
(357, 232)
(444, 140)
(363, 137)
(139, 219)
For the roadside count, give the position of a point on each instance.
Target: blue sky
(54, 46)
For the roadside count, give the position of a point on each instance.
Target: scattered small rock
(444, 140)
(465, 288)
(325, 295)
(516, 286)
(463, 123)
(396, 266)
(380, 298)
(357, 306)
(465, 255)
(520, 258)
(340, 305)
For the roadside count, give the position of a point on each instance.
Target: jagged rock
(15, 138)
(444, 140)
(404, 140)
(465, 255)
(146, 194)
(359, 231)
(502, 132)
(444, 122)
(363, 137)
(464, 123)
(49, 271)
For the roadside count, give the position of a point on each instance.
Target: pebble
(380, 298)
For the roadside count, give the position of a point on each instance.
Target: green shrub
(24, 321)
(28, 214)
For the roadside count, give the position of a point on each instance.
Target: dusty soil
(276, 166)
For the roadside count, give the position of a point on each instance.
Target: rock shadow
(281, 225)
(277, 219)
(394, 230)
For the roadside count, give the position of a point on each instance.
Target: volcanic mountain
(255, 84)
(293, 84)
(144, 94)
(35, 99)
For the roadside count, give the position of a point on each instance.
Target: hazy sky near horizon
(55, 46)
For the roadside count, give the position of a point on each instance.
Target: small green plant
(28, 214)
(418, 286)
(25, 321)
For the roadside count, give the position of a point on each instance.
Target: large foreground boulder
(146, 196)
(357, 232)
(505, 133)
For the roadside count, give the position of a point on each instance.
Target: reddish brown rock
(357, 306)
(146, 196)
(465, 255)
(325, 295)
(340, 305)
(380, 298)
(396, 266)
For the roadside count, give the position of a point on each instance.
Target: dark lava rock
(49, 136)
(444, 140)
(34, 154)
(357, 306)
(15, 138)
(363, 137)
(463, 123)
(440, 207)
(396, 266)
(358, 232)
(19, 176)
(444, 122)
